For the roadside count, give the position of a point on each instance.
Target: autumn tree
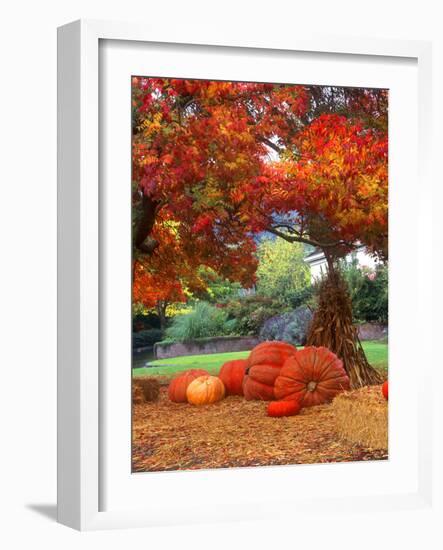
(332, 194)
(154, 291)
(198, 146)
(215, 163)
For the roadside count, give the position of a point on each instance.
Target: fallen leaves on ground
(232, 433)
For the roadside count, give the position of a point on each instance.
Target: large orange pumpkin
(205, 390)
(271, 352)
(312, 376)
(232, 374)
(264, 364)
(179, 385)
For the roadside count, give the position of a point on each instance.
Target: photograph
(222, 246)
(259, 273)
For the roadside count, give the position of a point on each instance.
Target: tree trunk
(332, 327)
(143, 241)
(329, 261)
(161, 311)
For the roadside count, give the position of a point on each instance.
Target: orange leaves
(167, 159)
(226, 159)
(198, 162)
(335, 184)
(150, 288)
(343, 168)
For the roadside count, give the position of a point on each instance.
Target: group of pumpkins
(274, 371)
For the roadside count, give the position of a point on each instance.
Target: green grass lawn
(376, 352)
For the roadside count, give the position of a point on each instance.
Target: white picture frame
(80, 411)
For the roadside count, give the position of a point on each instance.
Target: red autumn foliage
(216, 162)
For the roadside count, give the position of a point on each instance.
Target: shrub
(291, 327)
(250, 312)
(218, 288)
(144, 322)
(369, 292)
(146, 338)
(302, 297)
(204, 321)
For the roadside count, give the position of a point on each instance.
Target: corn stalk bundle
(332, 327)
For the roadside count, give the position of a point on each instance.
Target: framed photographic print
(232, 268)
(251, 203)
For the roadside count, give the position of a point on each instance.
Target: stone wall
(203, 346)
(223, 344)
(372, 331)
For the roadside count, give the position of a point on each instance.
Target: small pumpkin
(384, 389)
(283, 408)
(313, 376)
(232, 374)
(264, 364)
(205, 390)
(178, 386)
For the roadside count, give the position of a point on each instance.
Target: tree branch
(299, 239)
(291, 229)
(270, 144)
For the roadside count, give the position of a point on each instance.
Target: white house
(318, 265)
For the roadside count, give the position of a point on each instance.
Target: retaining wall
(203, 346)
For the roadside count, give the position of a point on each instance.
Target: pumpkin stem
(312, 385)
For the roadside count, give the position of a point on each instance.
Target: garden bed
(235, 432)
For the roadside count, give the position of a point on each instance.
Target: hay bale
(361, 417)
(137, 394)
(164, 380)
(149, 387)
